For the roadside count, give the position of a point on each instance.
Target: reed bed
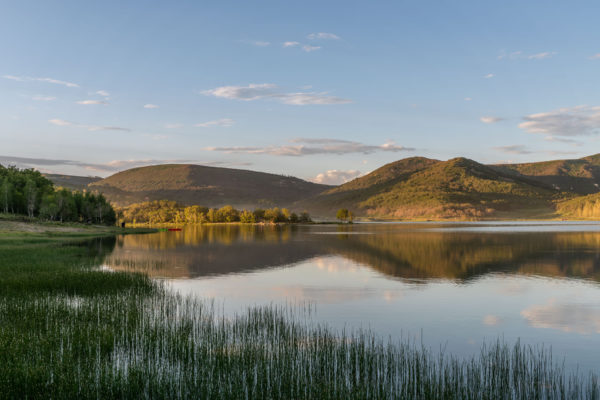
(143, 341)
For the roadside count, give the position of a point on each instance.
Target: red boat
(174, 229)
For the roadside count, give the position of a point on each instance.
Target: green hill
(208, 186)
(429, 189)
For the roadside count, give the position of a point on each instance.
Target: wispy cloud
(35, 162)
(513, 149)
(542, 56)
(92, 128)
(314, 98)
(568, 121)
(308, 48)
(105, 128)
(311, 146)
(595, 57)
(174, 126)
(261, 43)
(150, 106)
(468, 99)
(60, 122)
(103, 93)
(515, 55)
(270, 91)
(489, 76)
(560, 153)
(47, 80)
(323, 35)
(490, 120)
(225, 122)
(39, 97)
(92, 102)
(253, 91)
(563, 140)
(336, 177)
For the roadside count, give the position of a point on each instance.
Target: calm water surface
(450, 285)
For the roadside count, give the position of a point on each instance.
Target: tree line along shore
(170, 212)
(27, 192)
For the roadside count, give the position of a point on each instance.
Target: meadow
(70, 329)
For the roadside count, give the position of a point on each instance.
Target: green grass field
(69, 329)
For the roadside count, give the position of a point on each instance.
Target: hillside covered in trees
(421, 188)
(28, 192)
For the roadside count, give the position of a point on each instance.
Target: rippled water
(450, 285)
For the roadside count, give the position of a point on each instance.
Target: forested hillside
(429, 189)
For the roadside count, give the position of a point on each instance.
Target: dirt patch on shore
(16, 226)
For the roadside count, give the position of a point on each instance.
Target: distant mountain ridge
(72, 182)
(411, 188)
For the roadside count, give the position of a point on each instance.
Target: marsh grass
(68, 330)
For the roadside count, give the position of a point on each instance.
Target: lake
(450, 285)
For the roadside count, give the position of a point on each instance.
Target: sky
(323, 90)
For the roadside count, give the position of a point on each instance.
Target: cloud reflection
(573, 318)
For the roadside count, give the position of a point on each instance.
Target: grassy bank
(16, 227)
(71, 330)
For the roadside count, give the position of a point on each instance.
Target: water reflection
(454, 285)
(201, 251)
(567, 317)
(400, 251)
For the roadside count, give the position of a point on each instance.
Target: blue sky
(323, 90)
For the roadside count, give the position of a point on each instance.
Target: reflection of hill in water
(454, 255)
(401, 252)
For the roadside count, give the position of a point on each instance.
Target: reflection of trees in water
(456, 255)
(395, 251)
(210, 234)
(100, 248)
(209, 250)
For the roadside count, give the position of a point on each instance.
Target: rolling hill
(420, 188)
(208, 186)
(411, 188)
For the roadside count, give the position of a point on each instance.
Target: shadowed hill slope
(208, 186)
(581, 176)
(72, 182)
